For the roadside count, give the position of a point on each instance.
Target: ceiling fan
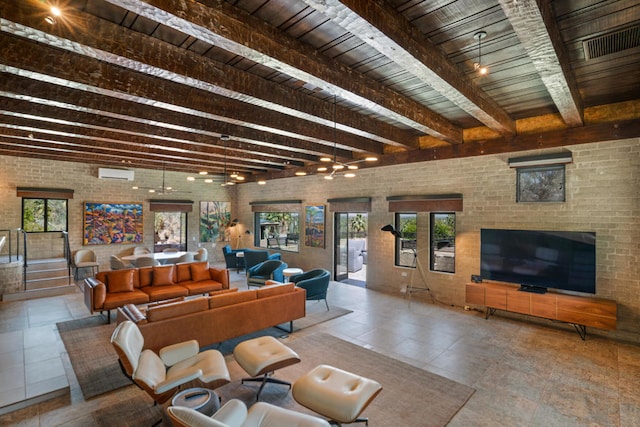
(162, 189)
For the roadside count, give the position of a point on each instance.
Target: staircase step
(41, 293)
(48, 282)
(46, 274)
(46, 264)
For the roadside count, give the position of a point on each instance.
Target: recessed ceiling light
(262, 182)
(191, 178)
(208, 180)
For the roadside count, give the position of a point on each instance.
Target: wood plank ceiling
(156, 83)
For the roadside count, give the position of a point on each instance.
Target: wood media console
(580, 311)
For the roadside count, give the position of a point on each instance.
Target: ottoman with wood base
(336, 394)
(260, 357)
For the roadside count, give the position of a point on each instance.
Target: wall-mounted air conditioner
(121, 174)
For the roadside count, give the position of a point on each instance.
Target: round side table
(288, 272)
(201, 399)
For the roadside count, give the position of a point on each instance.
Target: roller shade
(426, 203)
(170, 205)
(45, 193)
(350, 204)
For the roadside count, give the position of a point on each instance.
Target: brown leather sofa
(222, 316)
(115, 288)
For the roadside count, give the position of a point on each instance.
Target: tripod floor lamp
(411, 289)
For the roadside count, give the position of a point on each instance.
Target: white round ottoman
(260, 357)
(336, 394)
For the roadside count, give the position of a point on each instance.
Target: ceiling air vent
(611, 43)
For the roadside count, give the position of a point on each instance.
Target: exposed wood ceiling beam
(143, 145)
(43, 63)
(109, 42)
(22, 147)
(540, 37)
(608, 131)
(78, 102)
(228, 28)
(189, 141)
(378, 25)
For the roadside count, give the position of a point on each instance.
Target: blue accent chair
(256, 256)
(268, 270)
(230, 258)
(315, 282)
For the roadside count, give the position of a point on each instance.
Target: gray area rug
(95, 362)
(135, 412)
(410, 397)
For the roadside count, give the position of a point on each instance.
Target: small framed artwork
(541, 184)
(112, 223)
(314, 226)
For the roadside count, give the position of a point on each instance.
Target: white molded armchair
(234, 414)
(161, 375)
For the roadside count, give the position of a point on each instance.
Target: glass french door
(341, 249)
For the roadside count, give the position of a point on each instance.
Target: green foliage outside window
(278, 230)
(44, 215)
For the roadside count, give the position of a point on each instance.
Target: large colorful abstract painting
(214, 218)
(112, 223)
(314, 226)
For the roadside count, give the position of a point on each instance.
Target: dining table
(161, 257)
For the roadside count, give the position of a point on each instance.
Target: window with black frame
(407, 243)
(170, 231)
(42, 215)
(443, 242)
(278, 230)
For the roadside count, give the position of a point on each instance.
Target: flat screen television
(538, 260)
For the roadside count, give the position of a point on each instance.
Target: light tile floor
(525, 374)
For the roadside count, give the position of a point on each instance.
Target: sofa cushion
(145, 277)
(200, 271)
(222, 291)
(163, 275)
(182, 272)
(120, 281)
(226, 299)
(269, 291)
(118, 299)
(167, 311)
(164, 292)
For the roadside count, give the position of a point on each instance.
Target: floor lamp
(418, 266)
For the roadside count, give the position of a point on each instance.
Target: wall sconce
(391, 230)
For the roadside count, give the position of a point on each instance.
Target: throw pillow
(200, 272)
(120, 281)
(163, 275)
(183, 272)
